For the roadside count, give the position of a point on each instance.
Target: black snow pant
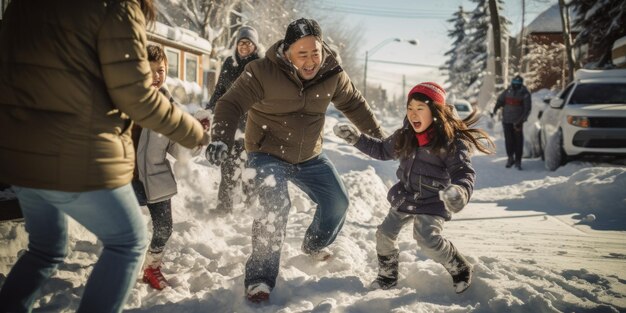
(514, 141)
(161, 214)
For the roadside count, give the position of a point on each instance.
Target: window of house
(191, 68)
(173, 62)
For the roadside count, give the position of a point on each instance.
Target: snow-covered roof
(549, 21)
(180, 36)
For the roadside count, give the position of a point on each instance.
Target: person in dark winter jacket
(436, 180)
(286, 95)
(516, 105)
(246, 50)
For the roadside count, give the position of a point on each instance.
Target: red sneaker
(154, 278)
(258, 293)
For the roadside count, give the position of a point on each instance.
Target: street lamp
(376, 48)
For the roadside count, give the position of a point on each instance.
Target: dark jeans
(161, 214)
(229, 167)
(319, 179)
(514, 141)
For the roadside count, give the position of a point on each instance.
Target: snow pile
(520, 230)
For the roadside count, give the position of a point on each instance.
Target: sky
(409, 19)
(539, 241)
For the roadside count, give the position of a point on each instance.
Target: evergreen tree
(477, 45)
(602, 22)
(544, 61)
(457, 65)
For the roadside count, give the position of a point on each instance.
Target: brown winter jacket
(72, 73)
(286, 116)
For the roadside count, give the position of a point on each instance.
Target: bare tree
(271, 17)
(211, 19)
(345, 40)
(218, 20)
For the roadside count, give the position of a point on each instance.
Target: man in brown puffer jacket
(286, 95)
(73, 74)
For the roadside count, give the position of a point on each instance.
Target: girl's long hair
(447, 127)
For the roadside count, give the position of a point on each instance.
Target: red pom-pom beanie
(432, 90)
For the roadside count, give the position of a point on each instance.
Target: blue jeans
(113, 215)
(319, 179)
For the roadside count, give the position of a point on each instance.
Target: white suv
(587, 117)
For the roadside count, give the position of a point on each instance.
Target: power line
(404, 63)
(384, 11)
(388, 11)
(419, 16)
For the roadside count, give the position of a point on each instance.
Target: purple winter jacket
(422, 174)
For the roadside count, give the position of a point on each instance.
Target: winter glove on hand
(347, 132)
(454, 198)
(206, 124)
(204, 116)
(216, 152)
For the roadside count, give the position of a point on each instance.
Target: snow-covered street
(524, 231)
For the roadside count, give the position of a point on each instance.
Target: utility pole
(497, 42)
(374, 49)
(523, 41)
(403, 84)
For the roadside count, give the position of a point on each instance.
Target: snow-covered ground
(531, 234)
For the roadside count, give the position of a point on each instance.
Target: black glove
(216, 152)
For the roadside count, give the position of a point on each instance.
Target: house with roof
(544, 50)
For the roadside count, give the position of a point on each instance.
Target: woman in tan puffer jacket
(72, 76)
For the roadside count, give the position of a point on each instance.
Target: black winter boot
(387, 272)
(510, 162)
(461, 271)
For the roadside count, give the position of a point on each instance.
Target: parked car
(463, 108)
(587, 118)
(532, 127)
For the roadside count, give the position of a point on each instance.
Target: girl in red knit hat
(436, 179)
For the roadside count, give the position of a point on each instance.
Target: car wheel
(554, 153)
(536, 146)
